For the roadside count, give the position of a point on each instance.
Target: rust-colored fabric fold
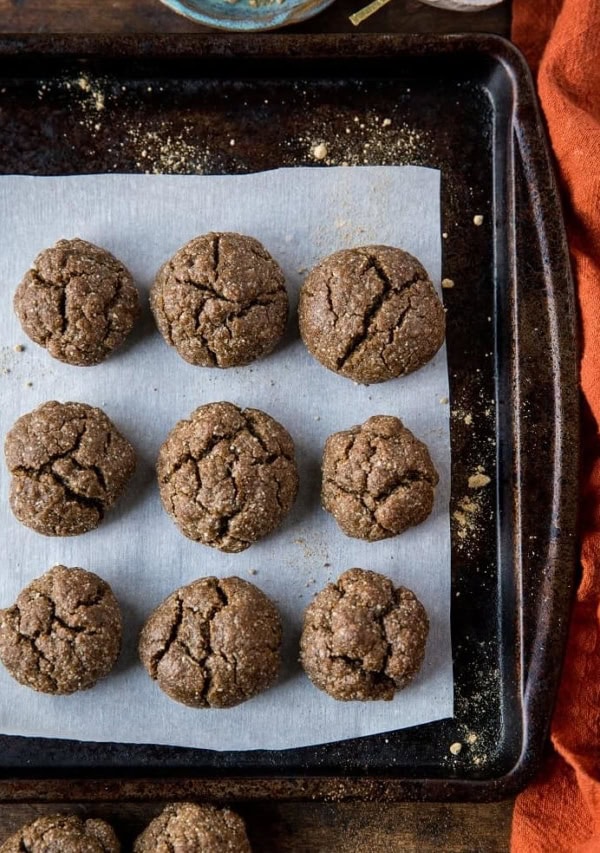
(560, 811)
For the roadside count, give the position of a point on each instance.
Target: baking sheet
(300, 215)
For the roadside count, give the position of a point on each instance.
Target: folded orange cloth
(560, 811)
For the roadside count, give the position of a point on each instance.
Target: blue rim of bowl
(247, 18)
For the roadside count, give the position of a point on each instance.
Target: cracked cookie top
(362, 638)
(371, 314)
(63, 633)
(78, 301)
(213, 644)
(378, 479)
(187, 827)
(220, 300)
(69, 464)
(227, 476)
(63, 834)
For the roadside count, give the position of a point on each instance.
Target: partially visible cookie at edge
(220, 300)
(362, 638)
(213, 643)
(227, 476)
(192, 828)
(63, 633)
(371, 314)
(60, 833)
(69, 464)
(378, 479)
(78, 301)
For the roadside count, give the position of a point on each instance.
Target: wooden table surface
(298, 827)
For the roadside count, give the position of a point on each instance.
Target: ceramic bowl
(242, 17)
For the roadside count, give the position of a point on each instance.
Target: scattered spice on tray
(466, 517)
(479, 480)
(319, 151)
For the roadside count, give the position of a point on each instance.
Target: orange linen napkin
(560, 811)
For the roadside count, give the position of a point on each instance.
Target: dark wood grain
(287, 827)
(128, 16)
(320, 827)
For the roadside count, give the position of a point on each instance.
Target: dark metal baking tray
(464, 104)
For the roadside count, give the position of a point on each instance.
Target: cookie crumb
(29, 384)
(319, 151)
(478, 219)
(471, 738)
(232, 142)
(468, 419)
(386, 122)
(444, 401)
(447, 283)
(445, 235)
(252, 571)
(455, 748)
(478, 481)
(19, 348)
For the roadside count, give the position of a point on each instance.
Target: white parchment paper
(300, 215)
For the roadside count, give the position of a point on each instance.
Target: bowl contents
(220, 300)
(188, 826)
(227, 476)
(362, 638)
(78, 301)
(69, 464)
(63, 633)
(371, 314)
(378, 479)
(213, 644)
